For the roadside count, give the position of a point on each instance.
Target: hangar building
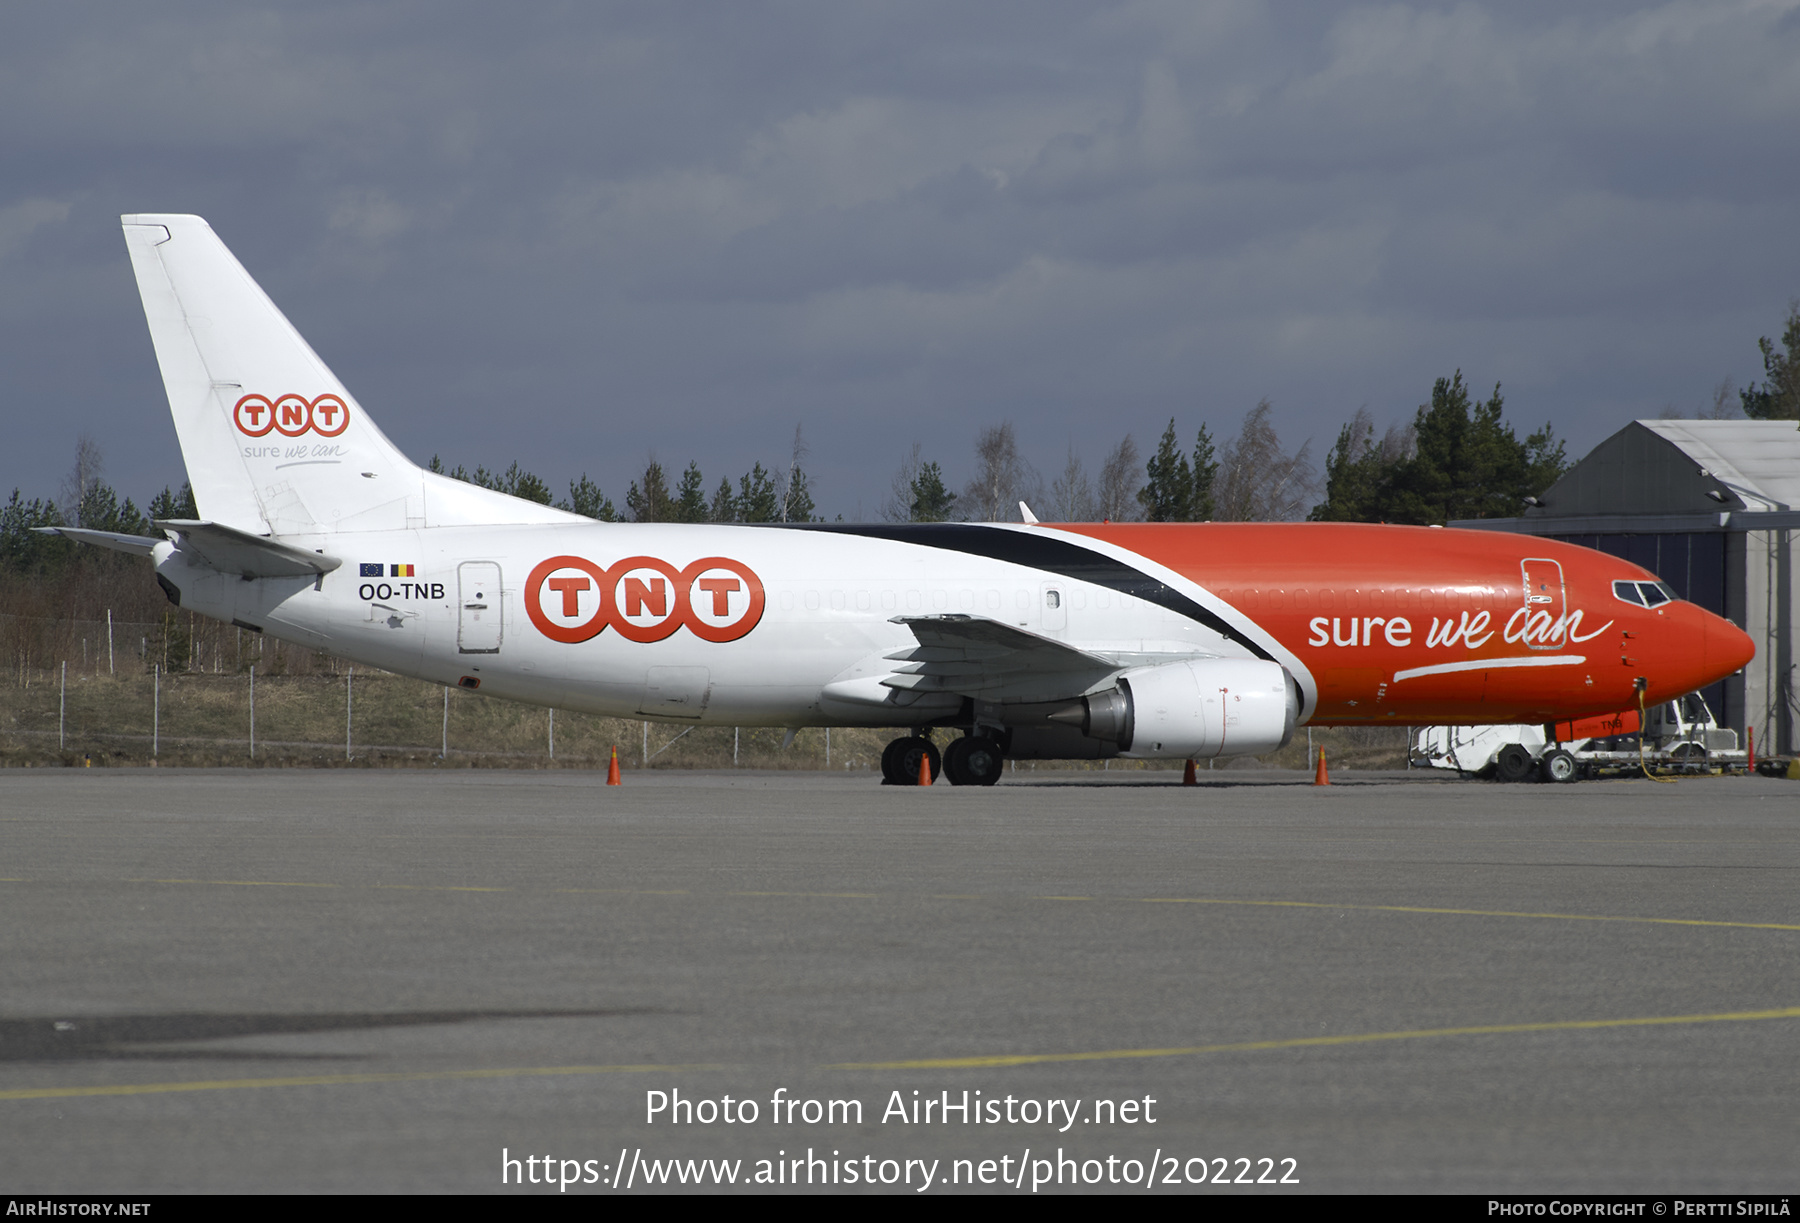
(1708, 506)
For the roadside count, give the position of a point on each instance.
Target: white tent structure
(1709, 506)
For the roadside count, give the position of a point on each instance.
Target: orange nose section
(1727, 648)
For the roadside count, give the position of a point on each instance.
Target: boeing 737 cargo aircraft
(1034, 641)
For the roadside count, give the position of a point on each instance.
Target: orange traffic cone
(612, 770)
(1319, 777)
(1187, 775)
(924, 768)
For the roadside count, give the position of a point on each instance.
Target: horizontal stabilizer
(230, 550)
(137, 545)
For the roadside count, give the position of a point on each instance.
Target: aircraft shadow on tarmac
(123, 1037)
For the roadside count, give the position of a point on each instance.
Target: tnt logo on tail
(291, 415)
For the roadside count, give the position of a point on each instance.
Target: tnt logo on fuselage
(291, 415)
(571, 599)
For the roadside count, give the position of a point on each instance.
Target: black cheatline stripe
(1046, 552)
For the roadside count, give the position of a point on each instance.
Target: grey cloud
(574, 234)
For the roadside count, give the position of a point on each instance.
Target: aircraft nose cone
(1728, 647)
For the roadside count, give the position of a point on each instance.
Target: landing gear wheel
(900, 761)
(1513, 763)
(1558, 766)
(974, 761)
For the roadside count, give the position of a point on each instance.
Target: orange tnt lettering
(570, 589)
(293, 414)
(638, 596)
(720, 589)
(328, 409)
(254, 409)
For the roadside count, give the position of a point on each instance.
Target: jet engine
(1196, 709)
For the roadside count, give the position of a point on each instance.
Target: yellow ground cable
(1643, 724)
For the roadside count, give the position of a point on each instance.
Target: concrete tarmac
(453, 982)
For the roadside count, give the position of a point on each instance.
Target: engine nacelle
(1198, 709)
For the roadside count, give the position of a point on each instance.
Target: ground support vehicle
(1677, 737)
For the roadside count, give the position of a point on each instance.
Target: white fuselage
(827, 620)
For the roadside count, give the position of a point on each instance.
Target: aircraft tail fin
(274, 443)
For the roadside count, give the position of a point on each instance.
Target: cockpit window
(1644, 594)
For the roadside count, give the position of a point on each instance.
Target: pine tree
(1168, 492)
(22, 549)
(724, 506)
(651, 502)
(1460, 460)
(1354, 472)
(1778, 398)
(586, 499)
(931, 501)
(174, 507)
(1205, 471)
(517, 482)
(690, 496)
(758, 499)
(797, 506)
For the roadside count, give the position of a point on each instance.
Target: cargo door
(479, 615)
(1544, 626)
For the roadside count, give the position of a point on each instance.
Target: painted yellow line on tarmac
(242, 883)
(1157, 900)
(622, 891)
(1305, 1042)
(1315, 904)
(328, 1080)
(813, 895)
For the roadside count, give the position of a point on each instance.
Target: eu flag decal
(399, 571)
(371, 571)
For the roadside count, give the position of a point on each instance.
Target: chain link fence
(183, 690)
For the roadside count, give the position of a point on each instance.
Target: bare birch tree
(89, 468)
(1071, 493)
(1258, 481)
(898, 506)
(1002, 477)
(1116, 499)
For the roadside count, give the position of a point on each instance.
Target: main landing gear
(974, 760)
(900, 761)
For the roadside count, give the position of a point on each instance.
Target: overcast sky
(576, 234)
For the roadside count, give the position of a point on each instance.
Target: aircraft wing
(975, 656)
